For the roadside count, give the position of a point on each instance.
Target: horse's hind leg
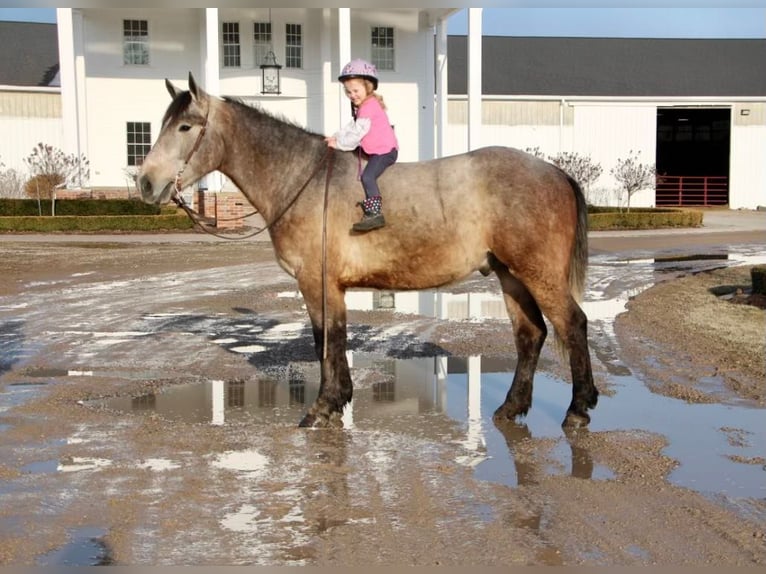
(529, 333)
(335, 388)
(571, 326)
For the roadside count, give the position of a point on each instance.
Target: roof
(613, 67)
(34, 54)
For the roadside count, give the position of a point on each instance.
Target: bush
(110, 223)
(51, 167)
(604, 218)
(84, 207)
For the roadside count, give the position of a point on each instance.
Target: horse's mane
(184, 99)
(255, 109)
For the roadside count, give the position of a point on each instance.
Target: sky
(749, 22)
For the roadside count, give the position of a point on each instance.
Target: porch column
(329, 89)
(344, 56)
(442, 119)
(72, 73)
(474, 78)
(211, 80)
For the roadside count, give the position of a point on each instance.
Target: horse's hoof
(575, 421)
(321, 422)
(508, 412)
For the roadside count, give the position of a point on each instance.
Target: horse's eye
(185, 128)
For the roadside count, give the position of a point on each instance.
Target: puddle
(86, 547)
(467, 391)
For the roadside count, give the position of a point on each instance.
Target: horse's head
(183, 152)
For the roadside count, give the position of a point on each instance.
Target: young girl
(370, 131)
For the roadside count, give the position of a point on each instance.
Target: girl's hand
(331, 142)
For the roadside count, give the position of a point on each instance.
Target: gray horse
(495, 210)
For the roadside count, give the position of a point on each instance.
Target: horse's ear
(172, 90)
(196, 92)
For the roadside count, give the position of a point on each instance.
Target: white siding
(26, 119)
(609, 132)
(747, 176)
(116, 94)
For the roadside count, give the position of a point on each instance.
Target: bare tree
(581, 167)
(50, 167)
(11, 183)
(633, 175)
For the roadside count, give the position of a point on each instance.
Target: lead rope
(330, 159)
(196, 218)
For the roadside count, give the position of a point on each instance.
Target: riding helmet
(360, 69)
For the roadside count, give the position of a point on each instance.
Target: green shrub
(101, 223)
(84, 207)
(603, 218)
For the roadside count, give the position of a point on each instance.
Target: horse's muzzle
(149, 194)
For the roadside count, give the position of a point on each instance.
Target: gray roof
(30, 54)
(613, 66)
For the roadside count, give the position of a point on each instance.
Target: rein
(198, 220)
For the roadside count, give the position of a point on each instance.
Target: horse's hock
(225, 208)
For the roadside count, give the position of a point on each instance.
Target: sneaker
(369, 222)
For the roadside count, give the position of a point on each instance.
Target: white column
(210, 54)
(474, 78)
(442, 119)
(344, 55)
(426, 92)
(72, 74)
(330, 121)
(211, 79)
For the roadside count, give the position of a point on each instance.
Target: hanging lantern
(270, 74)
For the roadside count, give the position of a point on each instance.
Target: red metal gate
(688, 190)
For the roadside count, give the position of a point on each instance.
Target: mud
(420, 476)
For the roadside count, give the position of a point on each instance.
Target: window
(294, 46)
(135, 42)
(382, 47)
(139, 142)
(261, 41)
(231, 45)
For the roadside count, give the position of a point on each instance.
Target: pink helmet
(360, 69)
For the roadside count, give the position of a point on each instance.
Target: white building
(601, 97)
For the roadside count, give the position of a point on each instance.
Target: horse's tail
(578, 258)
(578, 261)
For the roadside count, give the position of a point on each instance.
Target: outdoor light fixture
(270, 74)
(270, 70)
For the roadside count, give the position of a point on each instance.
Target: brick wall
(230, 209)
(227, 208)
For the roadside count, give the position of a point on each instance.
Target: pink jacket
(371, 130)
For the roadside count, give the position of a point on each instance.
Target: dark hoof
(335, 420)
(508, 412)
(575, 421)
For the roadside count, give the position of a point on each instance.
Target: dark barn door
(693, 156)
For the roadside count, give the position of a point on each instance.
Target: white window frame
(142, 142)
(231, 51)
(262, 42)
(294, 51)
(135, 42)
(384, 57)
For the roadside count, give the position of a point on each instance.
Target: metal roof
(30, 54)
(617, 67)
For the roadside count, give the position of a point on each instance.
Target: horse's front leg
(335, 388)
